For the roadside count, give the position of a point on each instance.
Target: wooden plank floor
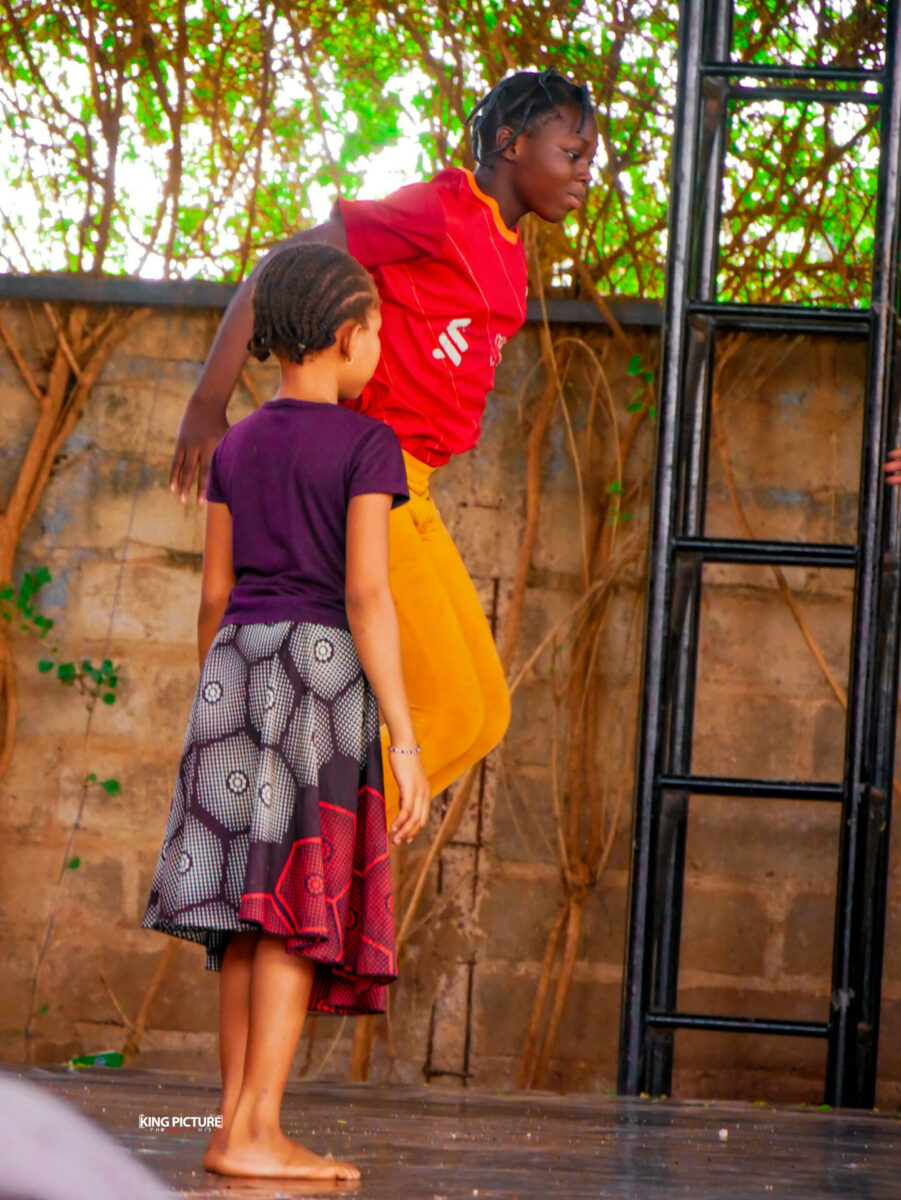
(420, 1144)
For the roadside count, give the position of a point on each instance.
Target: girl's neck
(312, 381)
(497, 184)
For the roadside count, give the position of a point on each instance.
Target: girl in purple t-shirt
(275, 855)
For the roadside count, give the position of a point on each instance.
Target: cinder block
(516, 913)
(892, 961)
(530, 724)
(28, 878)
(523, 826)
(890, 1042)
(93, 894)
(450, 1021)
(776, 658)
(809, 935)
(804, 422)
(154, 698)
(829, 720)
(546, 607)
(750, 733)
(769, 844)
(790, 1083)
(591, 1015)
(724, 932)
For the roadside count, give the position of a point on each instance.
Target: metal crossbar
(693, 316)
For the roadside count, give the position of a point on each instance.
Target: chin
(556, 214)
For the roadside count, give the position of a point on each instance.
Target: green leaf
(649, 376)
(112, 787)
(42, 576)
(634, 367)
(45, 665)
(637, 407)
(92, 778)
(615, 488)
(74, 863)
(7, 593)
(43, 1010)
(108, 698)
(66, 672)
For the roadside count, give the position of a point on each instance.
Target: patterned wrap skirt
(278, 816)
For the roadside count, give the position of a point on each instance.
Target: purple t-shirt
(287, 473)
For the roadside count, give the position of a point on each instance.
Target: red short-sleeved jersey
(453, 280)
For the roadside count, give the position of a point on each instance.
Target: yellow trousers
(455, 683)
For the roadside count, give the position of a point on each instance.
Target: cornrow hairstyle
(302, 296)
(520, 101)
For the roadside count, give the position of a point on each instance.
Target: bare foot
(271, 1158)
(218, 1142)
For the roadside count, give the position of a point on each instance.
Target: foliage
(178, 138)
(96, 683)
(17, 604)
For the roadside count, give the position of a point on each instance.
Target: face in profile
(552, 162)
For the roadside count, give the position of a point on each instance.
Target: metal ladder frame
(679, 549)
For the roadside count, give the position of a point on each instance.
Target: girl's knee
(496, 714)
(461, 723)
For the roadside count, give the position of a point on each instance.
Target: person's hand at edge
(892, 467)
(199, 433)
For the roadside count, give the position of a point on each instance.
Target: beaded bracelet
(401, 750)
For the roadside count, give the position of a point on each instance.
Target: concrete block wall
(760, 877)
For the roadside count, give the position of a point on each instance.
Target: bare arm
(373, 623)
(218, 576)
(203, 422)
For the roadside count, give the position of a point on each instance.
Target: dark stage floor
(416, 1144)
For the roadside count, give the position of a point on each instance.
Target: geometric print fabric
(278, 816)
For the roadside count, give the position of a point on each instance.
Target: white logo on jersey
(499, 342)
(452, 340)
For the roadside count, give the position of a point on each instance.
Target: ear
(501, 137)
(346, 335)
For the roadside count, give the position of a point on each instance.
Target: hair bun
(258, 346)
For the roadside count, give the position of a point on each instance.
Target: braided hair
(301, 297)
(520, 101)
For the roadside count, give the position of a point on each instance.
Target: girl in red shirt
(451, 273)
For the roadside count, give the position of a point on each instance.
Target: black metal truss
(693, 316)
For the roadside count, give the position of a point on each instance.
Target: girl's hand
(892, 468)
(200, 432)
(415, 796)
